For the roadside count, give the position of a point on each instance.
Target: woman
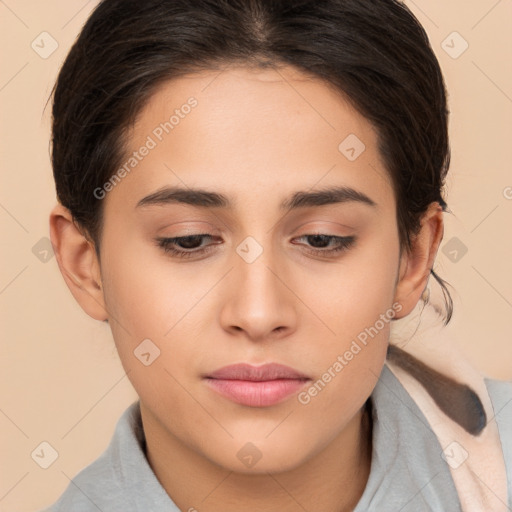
(250, 193)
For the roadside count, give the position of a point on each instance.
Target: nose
(258, 298)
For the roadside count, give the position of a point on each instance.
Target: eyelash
(168, 245)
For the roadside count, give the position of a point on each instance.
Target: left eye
(342, 243)
(188, 246)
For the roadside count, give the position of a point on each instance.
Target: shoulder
(500, 394)
(121, 479)
(99, 486)
(480, 463)
(87, 491)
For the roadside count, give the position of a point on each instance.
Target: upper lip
(244, 371)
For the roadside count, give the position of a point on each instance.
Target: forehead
(250, 133)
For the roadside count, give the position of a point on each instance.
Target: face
(261, 278)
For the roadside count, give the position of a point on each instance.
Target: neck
(331, 481)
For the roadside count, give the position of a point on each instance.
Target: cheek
(348, 364)
(153, 308)
(145, 315)
(140, 291)
(360, 289)
(357, 306)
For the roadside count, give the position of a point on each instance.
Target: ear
(415, 265)
(77, 262)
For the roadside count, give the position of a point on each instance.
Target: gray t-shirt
(408, 473)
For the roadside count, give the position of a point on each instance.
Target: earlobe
(77, 262)
(415, 265)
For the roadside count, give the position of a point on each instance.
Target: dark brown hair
(374, 52)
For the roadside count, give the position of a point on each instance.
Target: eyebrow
(300, 199)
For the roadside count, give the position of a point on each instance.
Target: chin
(259, 458)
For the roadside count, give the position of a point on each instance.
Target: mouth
(257, 386)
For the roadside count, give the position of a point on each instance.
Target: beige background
(61, 379)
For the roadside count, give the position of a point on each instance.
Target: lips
(257, 386)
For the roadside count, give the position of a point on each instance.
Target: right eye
(185, 246)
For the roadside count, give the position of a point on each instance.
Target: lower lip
(257, 394)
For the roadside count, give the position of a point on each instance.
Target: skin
(256, 136)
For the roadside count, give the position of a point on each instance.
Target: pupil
(320, 237)
(189, 241)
